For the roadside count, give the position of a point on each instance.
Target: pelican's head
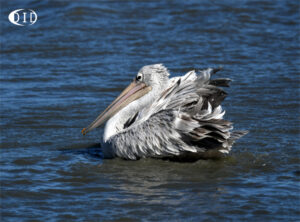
(155, 76)
(151, 78)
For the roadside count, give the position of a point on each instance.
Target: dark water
(59, 73)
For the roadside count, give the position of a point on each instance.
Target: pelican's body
(167, 118)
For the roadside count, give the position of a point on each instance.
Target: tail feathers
(225, 148)
(238, 134)
(235, 135)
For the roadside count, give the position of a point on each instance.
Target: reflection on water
(59, 73)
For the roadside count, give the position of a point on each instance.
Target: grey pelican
(175, 118)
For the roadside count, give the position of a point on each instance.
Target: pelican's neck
(116, 123)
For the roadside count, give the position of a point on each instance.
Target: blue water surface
(58, 74)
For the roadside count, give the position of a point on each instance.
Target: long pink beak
(133, 92)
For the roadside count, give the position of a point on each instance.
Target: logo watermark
(22, 17)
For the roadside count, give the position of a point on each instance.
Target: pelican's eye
(139, 77)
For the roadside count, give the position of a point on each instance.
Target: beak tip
(83, 131)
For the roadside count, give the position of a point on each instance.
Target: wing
(186, 121)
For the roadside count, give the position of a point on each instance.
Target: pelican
(176, 118)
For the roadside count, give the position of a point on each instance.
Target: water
(58, 74)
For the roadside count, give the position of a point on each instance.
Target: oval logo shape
(22, 17)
